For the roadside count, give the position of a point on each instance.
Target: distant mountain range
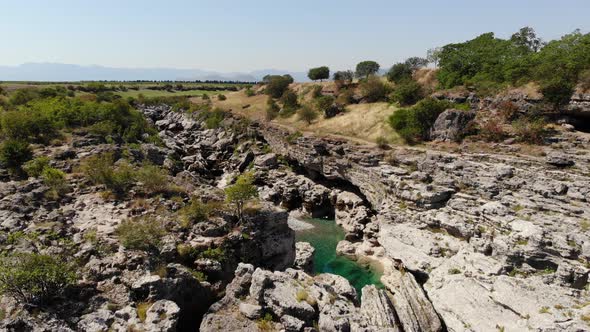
(59, 72)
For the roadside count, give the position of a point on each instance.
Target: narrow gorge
(432, 240)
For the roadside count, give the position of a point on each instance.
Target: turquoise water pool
(324, 237)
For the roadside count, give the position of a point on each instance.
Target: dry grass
(236, 101)
(361, 122)
(530, 90)
(427, 78)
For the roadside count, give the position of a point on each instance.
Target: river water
(324, 237)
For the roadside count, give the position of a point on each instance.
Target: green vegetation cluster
(42, 115)
(489, 63)
(414, 123)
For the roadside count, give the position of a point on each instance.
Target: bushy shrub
(124, 176)
(413, 124)
(100, 169)
(323, 103)
(307, 114)
(55, 180)
(153, 178)
(143, 233)
(41, 119)
(289, 99)
(530, 130)
(407, 93)
(272, 110)
(35, 167)
(23, 96)
(34, 278)
(221, 97)
(217, 254)
(557, 92)
(249, 92)
(213, 119)
(195, 212)
(373, 89)
(13, 153)
(27, 125)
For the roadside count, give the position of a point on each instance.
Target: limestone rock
(451, 125)
(304, 256)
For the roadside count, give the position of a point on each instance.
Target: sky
(241, 36)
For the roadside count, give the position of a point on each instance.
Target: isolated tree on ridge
(319, 73)
(366, 68)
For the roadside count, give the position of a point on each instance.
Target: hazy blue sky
(246, 35)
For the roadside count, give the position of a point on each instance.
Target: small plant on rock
(195, 212)
(143, 233)
(55, 180)
(35, 167)
(265, 323)
(142, 309)
(153, 178)
(13, 153)
(301, 295)
(530, 130)
(240, 193)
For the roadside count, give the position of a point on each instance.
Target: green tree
(433, 55)
(276, 85)
(242, 191)
(34, 278)
(416, 63)
(366, 68)
(481, 59)
(319, 73)
(527, 39)
(399, 72)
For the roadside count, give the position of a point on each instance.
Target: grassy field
(131, 89)
(163, 93)
(361, 122)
